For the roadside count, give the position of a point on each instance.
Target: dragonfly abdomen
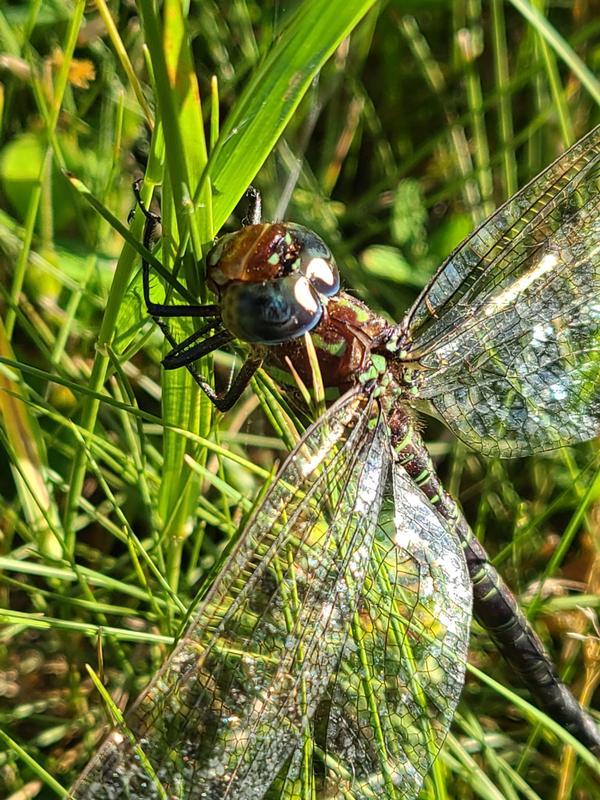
(494, 605)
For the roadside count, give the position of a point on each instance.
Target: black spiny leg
(190, 350)
(162, 309)
(221, 400)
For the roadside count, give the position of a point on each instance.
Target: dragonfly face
(278, 281)
(273, 281)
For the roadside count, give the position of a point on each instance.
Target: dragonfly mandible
(328, 657)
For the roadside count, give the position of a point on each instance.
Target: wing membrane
(508, 332)
(381, 723)
(231, 703)
(327, 659)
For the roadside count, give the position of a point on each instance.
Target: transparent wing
(508, 331)
(230, 706)
(383, 720)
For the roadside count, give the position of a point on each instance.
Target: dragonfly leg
(180, 357)
(226, 400)
(190, 350)
(151, 233)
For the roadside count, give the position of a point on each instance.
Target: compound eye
(272, 312)
(323, 275)
(315, 260)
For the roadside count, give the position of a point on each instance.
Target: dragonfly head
(273, 281)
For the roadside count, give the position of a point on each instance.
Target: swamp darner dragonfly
(328, 657)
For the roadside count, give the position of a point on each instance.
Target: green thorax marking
(336, 348)
(377, 367)
(361, 313)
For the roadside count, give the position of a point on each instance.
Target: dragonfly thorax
(273, 281)
(344, 341)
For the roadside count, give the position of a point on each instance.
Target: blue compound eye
(315, 260)
(271, 312)
(323, 275)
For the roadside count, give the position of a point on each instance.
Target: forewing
(508, 332)
(230, 705)
(384, 719)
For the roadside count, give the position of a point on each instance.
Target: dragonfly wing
(508, 331)
(230, 705)
(382, 722)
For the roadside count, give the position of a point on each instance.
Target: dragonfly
(328, 657)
